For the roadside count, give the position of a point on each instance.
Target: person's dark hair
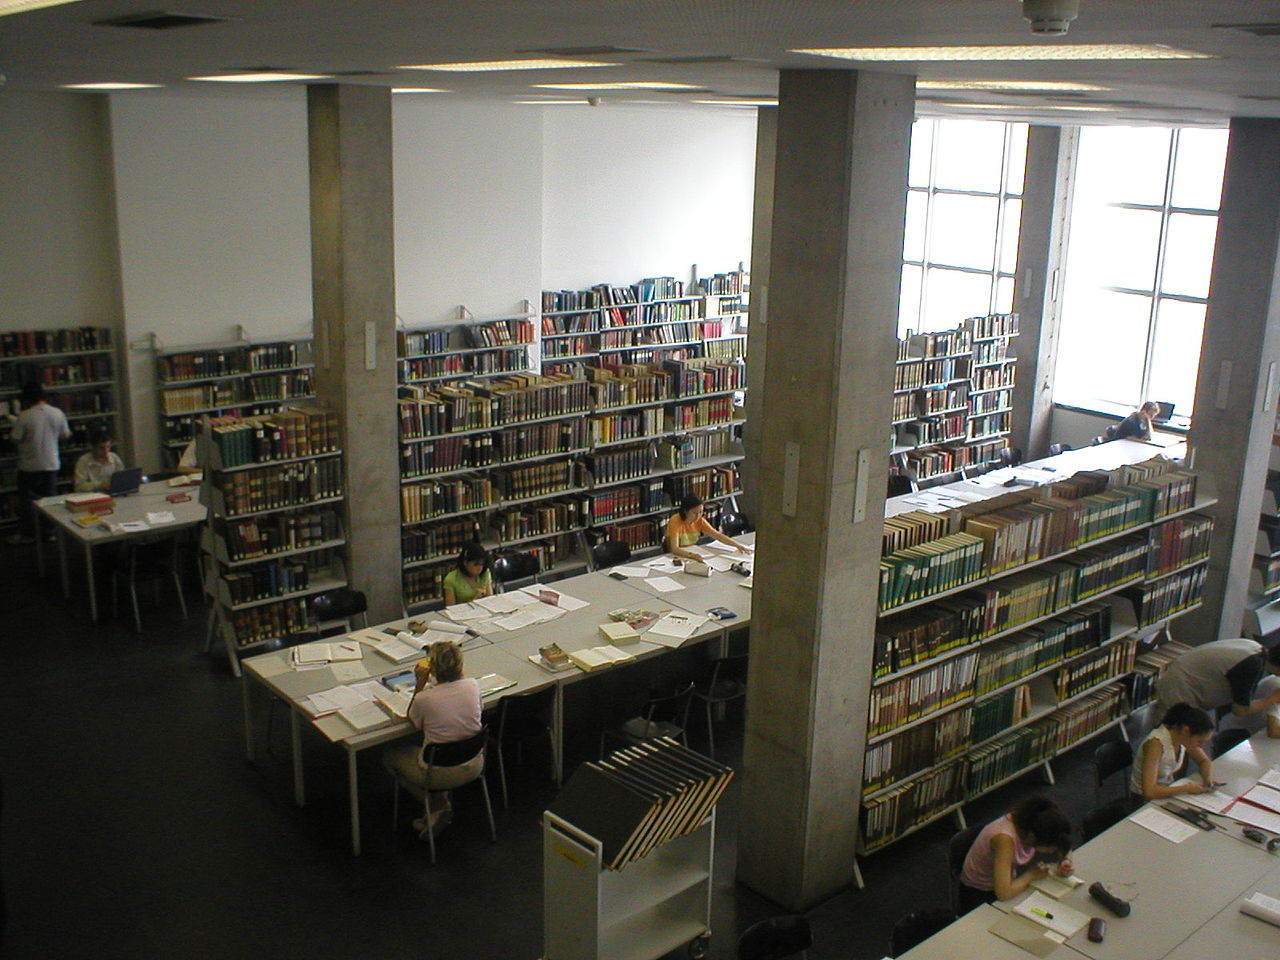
(99, 435)
(446, 661)
(687, 503)
(1039, 819)
(473, 553)
(32, 392)
(1150, 406)
(1273, 656)
(1194, 719)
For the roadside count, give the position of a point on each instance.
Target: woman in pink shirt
(1010, 853)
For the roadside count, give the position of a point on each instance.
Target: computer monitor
(124, 482)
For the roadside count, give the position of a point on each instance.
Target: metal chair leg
(493, 830)
(711, 734)
(182, 600)
(395, 801)
(426, 820)
(133, 595)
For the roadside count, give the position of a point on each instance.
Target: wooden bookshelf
(77, 367)
(274, 485)
(1029, 648)
(239, 378)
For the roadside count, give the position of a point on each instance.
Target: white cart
(641, 912)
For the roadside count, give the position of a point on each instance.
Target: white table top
(150, 498)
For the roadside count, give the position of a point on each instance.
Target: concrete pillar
(1046, 190)
(834, 276)
(1236, 388)
(353, 292)
(761, 239)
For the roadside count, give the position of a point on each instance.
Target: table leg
(39, 542)
(248, 719)
(557, 733)
(62, 565)
(295, 736)
(93, 589)
(353, 785)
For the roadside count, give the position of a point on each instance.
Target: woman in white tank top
(1181, 735)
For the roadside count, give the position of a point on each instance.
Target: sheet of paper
(675, 624)
(1270, 779)
(128, 526)
(630, 571)
(344, 696)
(365, 715)
(1164, 824)
(1056, 916)
(1254, 816)
(394, 650)
(1263, 796)
(717, 545)
(311, 653)
(446, 626)
(319, 704)
(499, 603)
(347, 671)
(662, 565)
(160, 516)
(698, 551)
(565, 602)
(1019, 931)
(462, 612)
(368, 635)
(664, 584)
(394, 703)
(366, 689)
(746, 582)
(521, 618)
(1056, 887)
(1214, 802)
(433, 635)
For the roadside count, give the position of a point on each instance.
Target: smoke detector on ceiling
(1050, 18)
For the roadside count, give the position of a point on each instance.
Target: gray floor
(134, 828)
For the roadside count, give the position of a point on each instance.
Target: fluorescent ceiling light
(621, 85)
(1046, 85)
(417, 90)
(110, 86)
(273, 77)
(480, 66)
(552, 103)
(22, 6)
(1022, 107)
(1055, 51)
(763, 102)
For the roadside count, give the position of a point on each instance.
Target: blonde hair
(446, 661)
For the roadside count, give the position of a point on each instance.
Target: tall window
(1142, 230)
(964, 208)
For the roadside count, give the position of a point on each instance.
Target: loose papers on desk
(1058, 917)
(1215, 801)
(664, 584)
(1164, 824)
(1270, 779)
(464, 612)
(636, 572)
(128, 526)
(562, 600)
(675, 627)
(158, 517)
(327, 652)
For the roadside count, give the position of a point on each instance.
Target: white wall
(214, 227)
(636, 191)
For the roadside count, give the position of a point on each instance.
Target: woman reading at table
(1011, 853)
(1182, 735)
(685, 527)
(471, 577)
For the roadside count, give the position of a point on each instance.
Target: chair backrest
(899, 484)
(1227, 739)
(158, 552)
(1109, 759)
(455, 752)
(673, 703)
(957, 849)
(1011, 456)
(1104, 817)
(516, 707)
(1057, 448)
(609, 553)
(917, 927)
(775, 938)
(733, 523)
(339, 604)
(515, 566)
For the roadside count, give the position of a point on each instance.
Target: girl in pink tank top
(1013, 851)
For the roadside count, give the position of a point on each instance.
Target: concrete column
(834, 268)
(1236, 388)
(1046, 192)
(761, 239)
(353, 291)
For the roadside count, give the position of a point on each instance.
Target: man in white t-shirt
(36, 431)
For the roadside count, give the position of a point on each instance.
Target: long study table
(497, 651)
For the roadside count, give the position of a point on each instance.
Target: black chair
(733, 523)
(776, 939)
(727, 682)
(1010, 456)
(957, 849)
(609, 553)
(163, 475)
(1108, 760)
(523, 717)
(511, 567)
(446, 755)
(666, 714)
(1057, 448)
(917, 927)
(1228, 739)
(338, 606)
(899, 483)
(147, 559)
(1103, 818)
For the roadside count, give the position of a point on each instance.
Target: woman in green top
(471, 578)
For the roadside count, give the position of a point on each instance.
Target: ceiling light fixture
(555, 103)
(1064, 51)
(762, 102)
(276, 77)
(111, 85)
(1050, 18)
(22, 6)
(417, 90)
(620, 85)
(481, 66)
(1032, 85)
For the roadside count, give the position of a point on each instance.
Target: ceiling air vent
(1257, 29)
(159, 20)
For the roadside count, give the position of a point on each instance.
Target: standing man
(36, 431)
(1215, 674)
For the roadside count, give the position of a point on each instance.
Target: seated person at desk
(94, 469)
(685, 527)
(446, 708)
(1137, 425)
(1012, 852)
(1217, 673)
(1182, 733)
(471, 577)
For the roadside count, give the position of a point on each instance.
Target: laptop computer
(124, 482)
(1164, 413)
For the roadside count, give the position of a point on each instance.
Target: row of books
(284, 435)
(984, 425)
(1154, 602)
(470, 405)
(431, 368)
(245, 390)
(486, 449)
(728, 348)
(998, 713)
(992, 401)
(540, 479)
(676, 453)
(1147, 668)
(700, 375)
(1043, 645)
(583, 320)
(991, 378)
(915, 749)
(628, 384)
(423, 501)
(1093, 668)
(258, 624)
(558, 516)
(424, 584)
(701, 414)
(904, 406)
(227, 361)
(32, 343)
(1078, 720)
(1180, 541)
(994, 325)
(991, 351)
(916, 572)
(615, 502)
(939, 399)
(647, 336)
(918, 694)
(438, 540)
(898, 810)
(280, 533)
(1267, 570)
(946, 343)
(499, 333)
(95, 368)
(1001, 758)
(925, 464)
(267, 580)
(940, 429)
(422, 341)
(292, 484)
(637, 534)
(722, 481)
(567, 347)
(644, 422)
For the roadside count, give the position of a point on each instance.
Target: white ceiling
(45, 48)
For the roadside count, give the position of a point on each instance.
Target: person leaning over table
(1217, 673)
(1013, 851)
(1137, 425)
(1183, 733)
(94, 469)
(684, 529)
(446, 707)
(471, 578)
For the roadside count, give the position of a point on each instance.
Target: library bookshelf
(1010, 631)
(1262, 615)
(77, 368)
(584, 422)
(953, 397)
(240, 378)
(274, 486)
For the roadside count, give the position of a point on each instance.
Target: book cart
(76, 366)
(1010, 629)
(274, 487)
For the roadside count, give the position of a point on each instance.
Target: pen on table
(1042, 913)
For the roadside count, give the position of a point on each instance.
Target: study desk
(135, 507)
(969, 938)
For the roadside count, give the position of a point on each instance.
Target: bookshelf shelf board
(239, 406)
(945, 708)
(570, 358)
(175, 444)
(927, 386)
(926, 414)
(91, 416)
(449, 516)
(647, 438)
(62, 387)
(998, 336)
(608, 327)
(565, 313)
(659, 888)
(995, 363)
(291, 552)
(989, 413)
(567, 491)
(198, 381)
(1044, 708)
(523, 345)
(708, 427)
(708, 395)
(967, 355)
(429, 561)
(538, 536)
(497, 464)
(986, 436)
(1199, 561)
(258, 465)
(290, 506)
(1007, 386)
(704, 464)
(442, 377)
(652, 346)
(41, 357)
(568, 414)
(319, 585)
(864, 850)
(1129, 630)
(898, 423)
(687, 298)
(632, 406)
(597, 524)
